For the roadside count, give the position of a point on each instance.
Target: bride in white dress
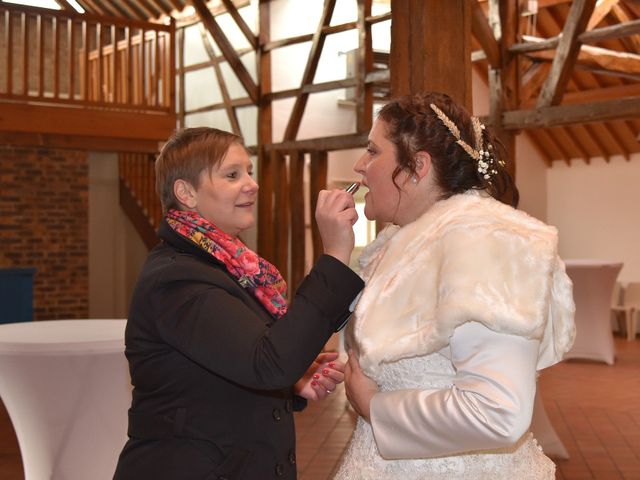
(465, 300)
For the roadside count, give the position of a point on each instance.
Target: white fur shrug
(469, 257)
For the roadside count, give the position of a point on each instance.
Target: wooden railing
(137, 194)
(65, 58)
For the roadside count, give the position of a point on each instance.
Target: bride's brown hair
(413, 126)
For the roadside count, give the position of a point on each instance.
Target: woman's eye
(232, 175)
(371, 151)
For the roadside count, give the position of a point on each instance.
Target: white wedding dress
(361, 461)
(461, 308)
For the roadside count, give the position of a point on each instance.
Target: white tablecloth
(65, 384)
(593, 282)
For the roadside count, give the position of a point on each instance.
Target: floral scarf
(251, 271)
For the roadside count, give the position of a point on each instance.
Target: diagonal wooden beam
(566, 54)
(242, 25)
(533, 79)
(602, 9)
(227, 49)
(309, 72)
(226, 98)
(484, 34)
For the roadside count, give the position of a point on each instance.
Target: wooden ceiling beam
(484, 34)
(577, 144)
(544, 152)
(564, 154)
(66, 5)
(161, 7)
(123, 12)
(619, 109)
(595, 138)
(111, 9)
(177, 6)
(566, 53)
(606, 59)
(144, 6)
(613, 135)
(135, 11)
(596, 94)
(92, 6)
(242, 25)
(227, 49)
(535, 44)
(317, 44)
(601, 10)
(623, 17)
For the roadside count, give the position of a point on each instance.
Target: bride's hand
(360, 389)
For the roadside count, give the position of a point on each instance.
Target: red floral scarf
(251, 271)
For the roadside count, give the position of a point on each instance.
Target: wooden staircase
(138, 198)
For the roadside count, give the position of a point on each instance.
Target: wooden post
(266, 245)
(504, 82)
(431, 48)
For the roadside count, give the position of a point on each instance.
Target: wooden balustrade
(290, 211)
(63, 58)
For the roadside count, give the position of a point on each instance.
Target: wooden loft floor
(85, 81)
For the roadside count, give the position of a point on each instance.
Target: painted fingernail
(325, 371)
(313, 384)
(316, 376)
(331, 364)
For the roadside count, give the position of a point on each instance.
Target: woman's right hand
(336, 215)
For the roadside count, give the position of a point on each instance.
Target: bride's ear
(185, 193)
(423, 164)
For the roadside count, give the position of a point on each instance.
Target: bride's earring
(414, 179)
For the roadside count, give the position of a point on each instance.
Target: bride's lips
(245, 205)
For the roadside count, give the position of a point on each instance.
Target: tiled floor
(595, 408)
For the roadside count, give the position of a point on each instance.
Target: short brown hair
(413, 126)
(185, 155)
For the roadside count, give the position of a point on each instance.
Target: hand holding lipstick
(335, 215)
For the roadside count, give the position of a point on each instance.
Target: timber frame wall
(282, 206)
(495, 26)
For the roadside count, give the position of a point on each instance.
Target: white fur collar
(467, 258)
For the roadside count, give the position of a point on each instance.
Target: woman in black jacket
(218, 360)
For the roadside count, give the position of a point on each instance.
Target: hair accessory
(485, 159)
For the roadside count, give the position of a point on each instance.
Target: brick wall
(44, 224)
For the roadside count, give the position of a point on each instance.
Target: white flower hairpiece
(484, 158)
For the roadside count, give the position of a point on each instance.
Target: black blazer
(213, 372)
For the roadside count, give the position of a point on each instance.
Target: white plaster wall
(596, 210)
(116, 252)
